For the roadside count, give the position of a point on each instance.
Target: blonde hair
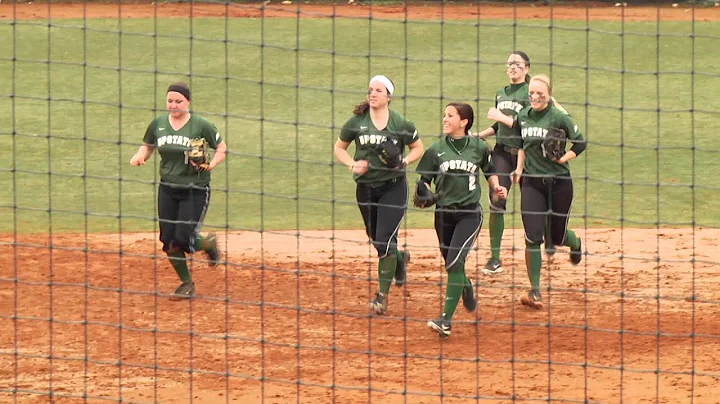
(546, 80)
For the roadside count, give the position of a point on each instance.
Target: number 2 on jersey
(471, 183)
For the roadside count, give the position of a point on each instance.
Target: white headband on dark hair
(386, 81)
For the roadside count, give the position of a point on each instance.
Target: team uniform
(510, 100)
(454, 166)
(382, 193)
(183, 193)
(547, 189)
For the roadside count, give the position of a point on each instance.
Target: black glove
(424, 197)
(390, 154)
(553, 146)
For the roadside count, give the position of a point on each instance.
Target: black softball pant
(181, 210)
(382, 207)
(457, 229)
(505, 163)
(542, 199)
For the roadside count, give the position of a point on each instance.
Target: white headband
(386, 81)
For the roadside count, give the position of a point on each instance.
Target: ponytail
(557, 104)
(362, 108)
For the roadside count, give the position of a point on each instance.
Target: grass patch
(76, 97)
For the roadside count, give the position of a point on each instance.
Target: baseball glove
(424, 197)
(198, 154)
(390, 153)
(553, 146)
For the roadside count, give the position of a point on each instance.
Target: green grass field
(277, 111)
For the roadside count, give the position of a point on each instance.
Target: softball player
(510, 100)
(547, 186)
(184, 191)
(381, 193)
(453, 163)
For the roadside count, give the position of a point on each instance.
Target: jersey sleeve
(517, 129)
(428, 165)
(574, 134)
(349, 131)
(571, 129)
(410, 133)
(212, 135)
(485, 161)
(150, 133)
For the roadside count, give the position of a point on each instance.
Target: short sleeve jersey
(454, 165)
(510, 100)
(173, 145)
(533, 126)
(360, 129)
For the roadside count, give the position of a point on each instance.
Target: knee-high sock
(453, 290)
(497, 227)
(179, 261)
(386, 271)
(571, 239)
(533, 262)
(399, 255)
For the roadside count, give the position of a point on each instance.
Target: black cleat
(186, 290)
(468, 297)
(379, 304)
(576, 255)
(441, 326)
(493, 267)
(533, 300)
(213, 254)
(401, 269)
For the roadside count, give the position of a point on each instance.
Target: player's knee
(557, 239)
(182, 243)
(533, 238)
(497, 205)
(385, 249)
(457, 266)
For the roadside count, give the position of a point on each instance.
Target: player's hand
(501, 191)
(137, 160)
(515, 176)
(360, 167)
(202, 167)
(495, 114)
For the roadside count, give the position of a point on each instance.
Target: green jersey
(510, 100)
(361, 130)
(533, 127)
(454, 165)
(173, 146)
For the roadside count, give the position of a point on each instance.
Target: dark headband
(180, 89)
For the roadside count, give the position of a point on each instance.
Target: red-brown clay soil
(277, 322)
(431, 10)
(286, 317)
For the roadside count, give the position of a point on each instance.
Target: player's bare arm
(142, 155)
(416, 151)
(497, 115)
(486, 133)
(515, 175)
(219, 157)
(359, 167)
(499, 190)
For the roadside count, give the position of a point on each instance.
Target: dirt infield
(270, 275)
(286, 317)
(433, 10)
